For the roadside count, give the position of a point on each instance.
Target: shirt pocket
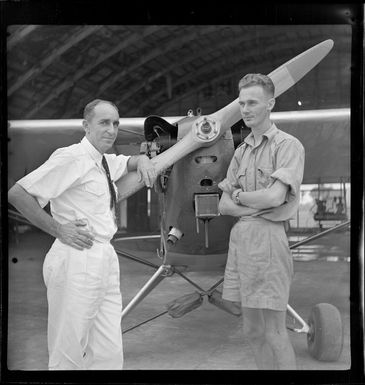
(95, 196)
(241, 177)
(263, 176)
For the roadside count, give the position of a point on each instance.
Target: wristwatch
(235, 196)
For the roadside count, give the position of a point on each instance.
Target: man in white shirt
(81, 270)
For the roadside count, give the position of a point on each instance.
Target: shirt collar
(269, 134)
(91, 150)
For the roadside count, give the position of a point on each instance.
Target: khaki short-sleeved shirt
(73, 180)
(278, 156)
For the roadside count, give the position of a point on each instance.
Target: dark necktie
(113, 198)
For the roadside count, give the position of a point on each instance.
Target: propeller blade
(130, 183)
(283, 77)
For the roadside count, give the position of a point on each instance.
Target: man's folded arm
(228, 207)
(274, 196)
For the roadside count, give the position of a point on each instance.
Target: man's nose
(244, 109)
(111, 128)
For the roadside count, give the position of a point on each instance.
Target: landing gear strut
(324, 328)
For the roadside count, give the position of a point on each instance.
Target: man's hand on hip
(75, 234)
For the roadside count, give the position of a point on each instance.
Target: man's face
(255, 105)
(102, 128)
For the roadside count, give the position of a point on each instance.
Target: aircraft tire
(325, 337)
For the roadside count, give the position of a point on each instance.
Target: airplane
(192, 154)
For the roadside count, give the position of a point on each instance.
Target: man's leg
(68, 307)
(105, 349)
(75, 289)
(231, 283)
(254, 332)
(277, 337)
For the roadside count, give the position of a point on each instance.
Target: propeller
(206, 130)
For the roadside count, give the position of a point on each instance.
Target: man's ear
(85, 124)
(271, 104)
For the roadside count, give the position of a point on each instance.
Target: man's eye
(116, 124)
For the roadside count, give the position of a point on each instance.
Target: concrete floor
(205, 339)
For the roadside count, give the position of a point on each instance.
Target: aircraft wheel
(325, 336)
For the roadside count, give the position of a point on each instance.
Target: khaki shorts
(259, 266)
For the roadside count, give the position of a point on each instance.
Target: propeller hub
(206, 130)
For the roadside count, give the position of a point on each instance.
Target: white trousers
(84, 308)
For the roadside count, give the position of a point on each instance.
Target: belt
(251, 218)
(102, 239)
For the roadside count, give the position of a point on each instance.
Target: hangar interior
(53, 71)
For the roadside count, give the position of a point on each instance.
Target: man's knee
(254, 334)
(276, 338)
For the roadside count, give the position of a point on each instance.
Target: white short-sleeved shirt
(73, 180)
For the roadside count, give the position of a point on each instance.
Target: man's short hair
(263, 81)
(89, 108)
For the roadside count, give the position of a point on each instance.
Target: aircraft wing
(130, 129)
(325, 135)
(31, 142)
(328, 115)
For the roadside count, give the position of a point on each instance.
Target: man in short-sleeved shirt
(81, 270)
(262, 189)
